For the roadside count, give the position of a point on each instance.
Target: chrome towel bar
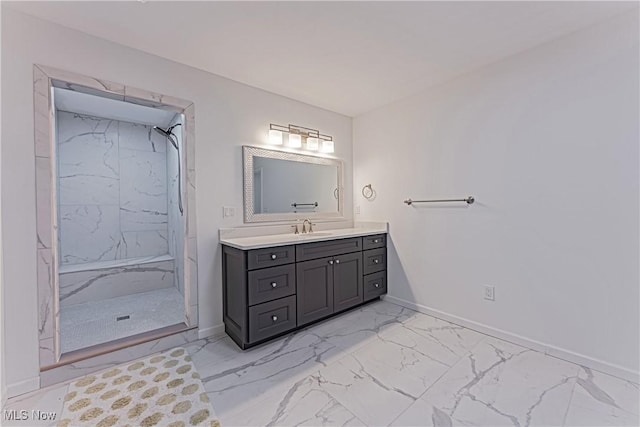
(314, 204)
(469, 200)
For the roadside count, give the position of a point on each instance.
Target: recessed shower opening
(121, 223)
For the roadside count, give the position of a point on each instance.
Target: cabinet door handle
(331, 262)
(376, 261)
(274, 318)
(375, 241)
(274, 284)
(376, 285)
(274, 256)
(337, 261)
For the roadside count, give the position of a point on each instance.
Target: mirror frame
(248, 154)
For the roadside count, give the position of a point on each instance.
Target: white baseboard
(22, 387)
(211, 332)
(560, 353)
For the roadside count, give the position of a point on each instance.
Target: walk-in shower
(116, 233)
(119, 225)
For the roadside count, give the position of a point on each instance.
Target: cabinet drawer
(272, 318)
(375, 260)
(271, 283)
(372, 242)
(375, 285)
(315, 250)
(270, 257)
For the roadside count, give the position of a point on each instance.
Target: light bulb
(327, 146)
(275, 137)
(295, 140)
(312, 144)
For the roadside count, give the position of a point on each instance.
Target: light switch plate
(228, 211)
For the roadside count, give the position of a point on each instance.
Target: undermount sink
(314, 234)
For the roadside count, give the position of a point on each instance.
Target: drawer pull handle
(274, 318)
(331, 262)
(376, 261)
(376, 241)
(376, 285)
(337, 261)
(274, 256)
(274, 284)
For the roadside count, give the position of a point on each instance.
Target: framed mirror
(284, 186)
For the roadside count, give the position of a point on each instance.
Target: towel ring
(367, 192)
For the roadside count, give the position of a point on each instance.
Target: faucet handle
(311, 227)
(295, 229)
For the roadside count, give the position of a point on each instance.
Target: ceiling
(74, 101)
(347, 57)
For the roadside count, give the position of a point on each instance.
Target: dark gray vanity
(273, 290)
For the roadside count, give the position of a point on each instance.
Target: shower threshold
(97, 322)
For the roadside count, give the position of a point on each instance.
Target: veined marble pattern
(88, 167)
(345, 372)
(113, 189)
(134, 244)
(175, 224)
(143, 190)
(101, 284)
(46, 150)
(135, 136)
(602, 400)
(89, 233)
(386, 365)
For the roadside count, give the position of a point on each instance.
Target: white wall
(3, 379)
(228, 115)
(547, 141)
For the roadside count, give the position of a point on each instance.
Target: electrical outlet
(228, 211)
(490, 293)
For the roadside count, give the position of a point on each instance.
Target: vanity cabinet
(328, 285)
(274, 290)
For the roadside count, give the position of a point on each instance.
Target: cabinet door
(314, 289)
(347, 281)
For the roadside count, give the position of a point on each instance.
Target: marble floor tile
(234, 379)
(382, 364)
(359, 327)
(47, 402)
(500, 383)
(305, 403)
(412, 356)
(602, 400)
(365, 392)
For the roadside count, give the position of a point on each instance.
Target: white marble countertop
(271, 240)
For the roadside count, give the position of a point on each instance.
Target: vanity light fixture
(312, 138)
(275, 137)
(295, 140)
(312, 144)
(327, 146)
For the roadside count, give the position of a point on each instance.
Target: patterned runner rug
(161, 390)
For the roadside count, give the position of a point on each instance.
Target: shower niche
(116, 228)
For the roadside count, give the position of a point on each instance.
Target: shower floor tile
(91, 323)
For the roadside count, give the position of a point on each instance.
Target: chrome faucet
(304, 230)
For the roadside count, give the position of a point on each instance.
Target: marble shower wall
(112, 181)
(176, 228)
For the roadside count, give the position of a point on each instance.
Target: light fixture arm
(303, 131)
